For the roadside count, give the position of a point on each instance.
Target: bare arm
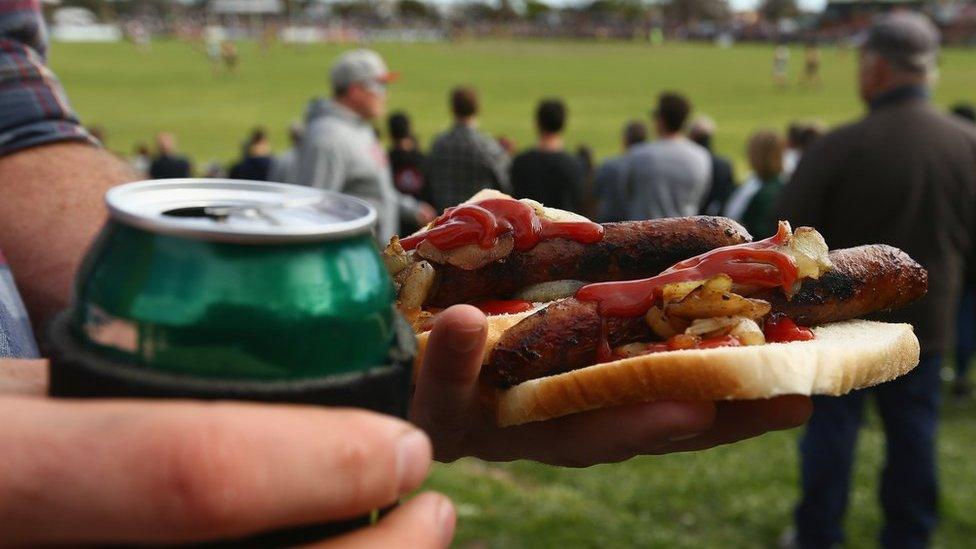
(52, 206)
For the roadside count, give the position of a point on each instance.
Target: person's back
(905, 175)
(285, 164)
(254, 168)
(915, 190)
(406, 159)
(547, 173)
(255, 163)
(167, 164)
(610, 181)
(765, 153)
(340, 152)
(553, 178)
(169, 167)
(462, 160)
(669, 177)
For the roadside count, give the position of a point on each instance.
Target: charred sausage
(565, 335)
(628, 250)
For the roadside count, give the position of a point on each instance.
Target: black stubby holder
(80, 372)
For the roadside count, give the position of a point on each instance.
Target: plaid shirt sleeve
(33, 108)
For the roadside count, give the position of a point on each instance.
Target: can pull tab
(222, 213)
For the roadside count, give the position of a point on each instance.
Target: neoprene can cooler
(223, 289)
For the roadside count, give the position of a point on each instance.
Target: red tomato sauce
(483, 222)
(755, 264)
(779, 328)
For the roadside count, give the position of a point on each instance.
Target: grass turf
(172, 87)
(738, 496)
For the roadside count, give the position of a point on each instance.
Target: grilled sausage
(864, 280)
(565, 335)
(628, 250)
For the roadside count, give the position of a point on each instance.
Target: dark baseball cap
(908, 40)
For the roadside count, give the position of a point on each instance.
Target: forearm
(23, 377)
(51, 209)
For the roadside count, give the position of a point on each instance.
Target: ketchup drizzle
(779, 328)
(483, 222)
(755, 264)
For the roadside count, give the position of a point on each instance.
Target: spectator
(670, 176)
(723, 181)
(141, 159)
(406, 159)
(168, 164)
(256, 161)
(811, 65)
(340, 151)
(962, 387)
(799, 137)
(284, 165)
(585, 156)
(781, 66)
(610, 181)
(752, 203)
(904, 175)
(462, 160)
(547, 173)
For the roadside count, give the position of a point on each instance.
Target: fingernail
(446, 520)
(413, 454)
(466, 338)
(687, 436)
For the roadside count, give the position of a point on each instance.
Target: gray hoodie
(340, 152)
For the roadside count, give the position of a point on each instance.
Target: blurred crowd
(665, 166)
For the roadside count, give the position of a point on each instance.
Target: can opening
(199, 211)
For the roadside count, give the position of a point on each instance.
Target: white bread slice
(844, 356)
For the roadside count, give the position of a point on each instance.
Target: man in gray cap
(340, 150)
(904, 175)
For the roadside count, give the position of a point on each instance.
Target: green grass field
(738, 496)
(172, 87)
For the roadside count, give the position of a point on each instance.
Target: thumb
(447, 384)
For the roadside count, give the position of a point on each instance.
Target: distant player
(228, 52)
(811, 66)
(781, 66)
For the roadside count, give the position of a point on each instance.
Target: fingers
(446, 397)
(154, 472)
(426, 521)
(738, 420)
(603, 436)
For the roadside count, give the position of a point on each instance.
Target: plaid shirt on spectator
(33, 111)
(461, 162)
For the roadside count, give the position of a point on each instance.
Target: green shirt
(758, 217)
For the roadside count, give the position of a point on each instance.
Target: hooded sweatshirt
(340, 152)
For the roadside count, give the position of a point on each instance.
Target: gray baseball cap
(360, 66)
(908, 40)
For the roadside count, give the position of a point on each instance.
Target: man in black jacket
(904, 175)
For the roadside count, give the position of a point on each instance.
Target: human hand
(425, 213)
(446, 405)
(94, 472)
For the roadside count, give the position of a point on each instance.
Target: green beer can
(223, 289)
